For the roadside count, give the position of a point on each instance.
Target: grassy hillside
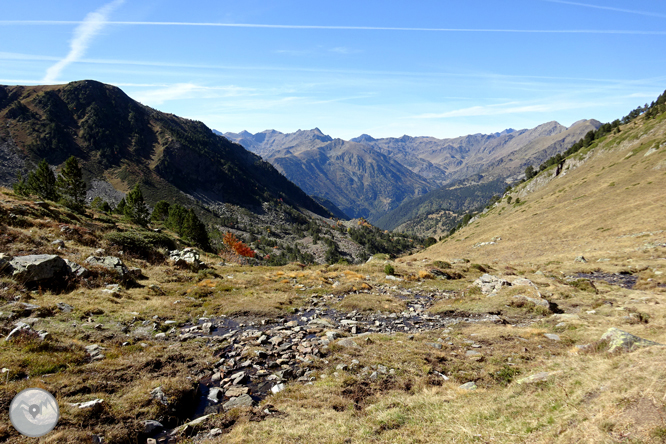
(607, 200)
(123, 142)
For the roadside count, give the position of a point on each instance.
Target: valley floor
(443, 351)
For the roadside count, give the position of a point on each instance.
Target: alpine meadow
(472, 248)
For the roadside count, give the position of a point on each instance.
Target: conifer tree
(194, 230)
(20, 187)
(71, 186)
(42, 182)
(160, 212)
(120, 208)
(135, 208)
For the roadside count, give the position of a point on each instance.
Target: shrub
(389, 270)
(145, 244)
(237, 246)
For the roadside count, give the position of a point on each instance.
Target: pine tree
(71, 186)
(135, 208)
(42, 182)
(120, 208)
(194, 230)
(20, 187)
(160, 212)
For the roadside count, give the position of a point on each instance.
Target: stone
(436, 345)
(151, 426)
(235, 391)
(155, 289)
(65, 308)
(348, 343)
(110, 263)
(241, 401)
(618, 339)
(468, 386)
(537, 377)
(188, 257)
(158, 394)
(20, 327)
(580, 259)
(95, 403)
(321, 322)
(207, 327)
(539, 302)
(490, 284)
(472, 353)
(342, 367)
(38, 268)
(214, 394)
(332, 335)
(277, 388)
(552, 336)
(59, 243)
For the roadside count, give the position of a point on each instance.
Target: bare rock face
(110, 263)
(38, 268)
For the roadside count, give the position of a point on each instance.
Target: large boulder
(490, 284)
(38, 268)
(188, 257)
(110, 263)
(618, 339)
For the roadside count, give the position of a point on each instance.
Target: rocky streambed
(258, 357)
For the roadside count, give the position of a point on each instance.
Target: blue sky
(423, 68)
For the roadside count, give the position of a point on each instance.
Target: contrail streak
(608, 8)
(350, 28)
(83, 35)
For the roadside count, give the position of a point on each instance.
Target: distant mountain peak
(363, 138)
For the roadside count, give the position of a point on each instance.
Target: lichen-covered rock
(110, 263)
(38, 268)
(618, 339)
(241, 401)
(76, 269)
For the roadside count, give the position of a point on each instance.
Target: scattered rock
(538, 377)
(580, 259)
(618, 339)
(151, 426)
(215, 394)
(235, 391)
(540, 302)
(158, 394)
(552, 336)
(20, 327)
(468, 386)
(110, 263)
(490, 284)
(241, 401)
(94, 404)
(277, 388)
(188, 257)
(348, 343)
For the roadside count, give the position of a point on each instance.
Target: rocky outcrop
(490, 284)
(188, 257)
(621, 340)
(38, 268)
(110, 263)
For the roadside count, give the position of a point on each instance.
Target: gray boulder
(188, 257)
(110, 263)
(618, 339)
(38, 268)
(241, 401)
(76, 269)
(490, 284)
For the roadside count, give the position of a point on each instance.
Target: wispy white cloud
(608, 8)
(505, 108)
(344, 50)
(83, 35)
(188, 91)
(350, 28)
